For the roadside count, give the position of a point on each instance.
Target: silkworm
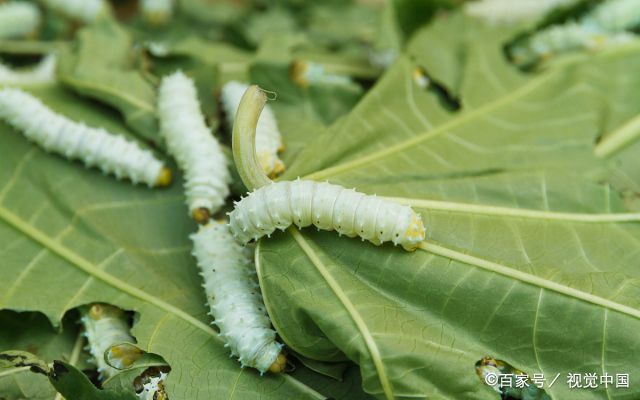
(305, 73)
(563, 38)
(234, 298)
(43, 72)
(18, 18)
(328, 207)
(420, 78)
(490, 371)
(150, 384)
(382, 58)
(94, 146)
(157, 12)
(196, 150)
(86, 11)
(614, 15)
(268, 138)
(508, 11)
(105, 326)
(604, 26)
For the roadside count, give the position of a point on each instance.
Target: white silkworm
(614, 15)
(94, 146)
(510, 11)
(563, 38)
(328, 207)
(234, 298)
(86, 11)
(382, 58)
(194, 147)
(43, 72)
(150, 384)
(420, 78)
(268, 138)
(157, 12)
(105, 326)
(604, 26)
(18, 18)
(305, 73)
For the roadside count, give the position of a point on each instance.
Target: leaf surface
(529, 258)
(109, 241)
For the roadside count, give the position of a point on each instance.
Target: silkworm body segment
(196, 150)
(157, 12)
(305, 73)
(614, 15)
(328, 207)
(234, 298)
(94, 146)
(18, 19)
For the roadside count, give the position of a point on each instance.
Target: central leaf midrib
(370, 343)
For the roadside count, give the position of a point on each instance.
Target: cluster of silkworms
(225, 263)
(603, 26)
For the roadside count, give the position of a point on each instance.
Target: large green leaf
(529, 257)
(100, 66)
(71, 236)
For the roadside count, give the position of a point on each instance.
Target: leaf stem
(244, 138)
(350, 308)
(467, 208)
(619, 139)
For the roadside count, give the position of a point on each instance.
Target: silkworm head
(279, 364)
(164, 178)
(416, 232)
(201, 215)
